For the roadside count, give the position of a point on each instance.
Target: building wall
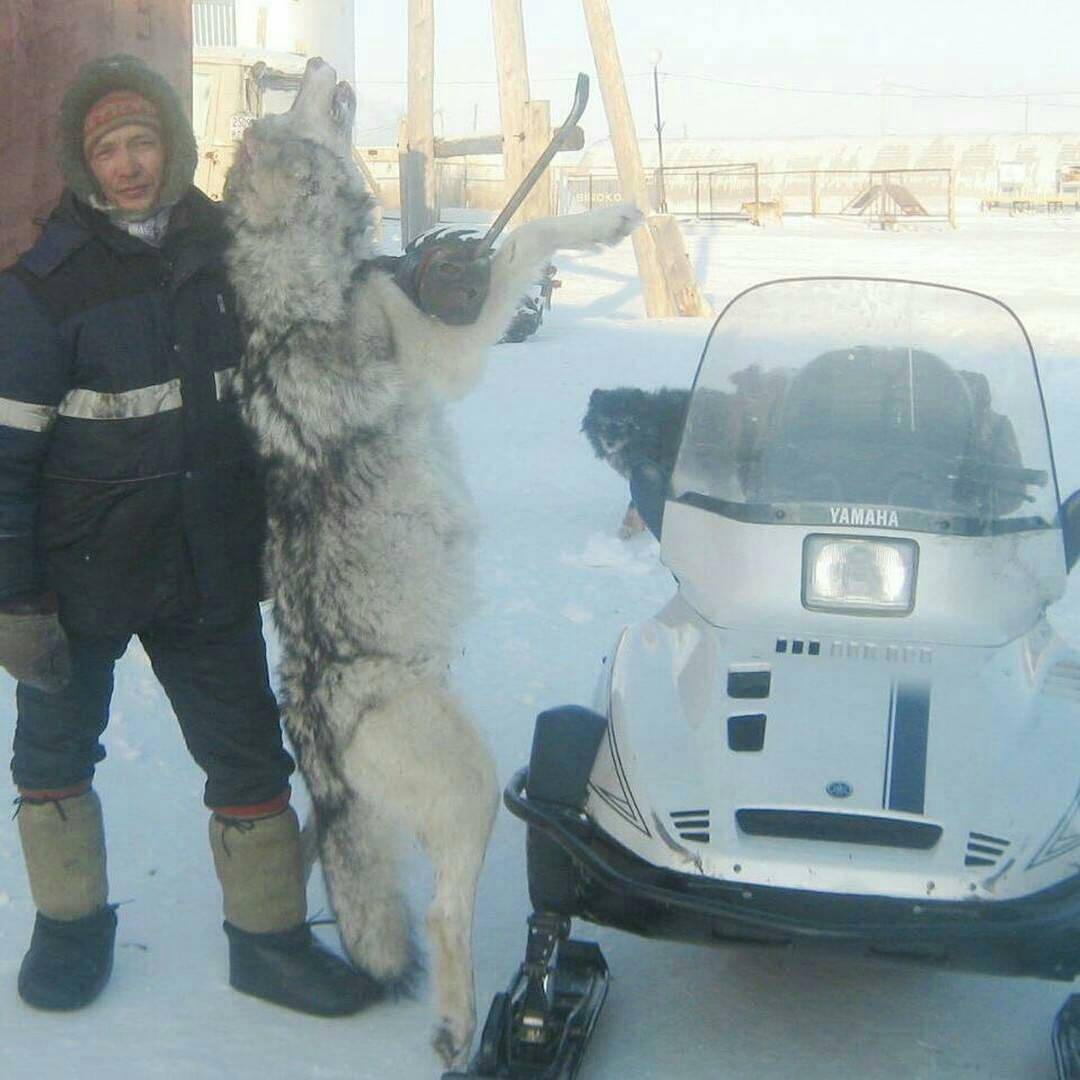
(309, 27)
(42, 43)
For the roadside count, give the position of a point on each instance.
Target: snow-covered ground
(555, 587)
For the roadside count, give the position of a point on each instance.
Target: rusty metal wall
(42, 42)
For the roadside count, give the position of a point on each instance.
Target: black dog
(627, 426)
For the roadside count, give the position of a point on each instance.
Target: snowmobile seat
(857, 424)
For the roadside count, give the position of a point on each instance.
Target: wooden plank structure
(667, 278)
(512, 71)
(466, 146)
(886, 200)
(42, 44)
(416, 145)
(526, 124)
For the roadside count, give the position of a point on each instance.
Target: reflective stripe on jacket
(127, 478)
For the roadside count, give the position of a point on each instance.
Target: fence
(710, 191)
(724, 190)
(883, 196)
(468, 185)
(705, 191)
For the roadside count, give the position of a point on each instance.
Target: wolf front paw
(610, 224)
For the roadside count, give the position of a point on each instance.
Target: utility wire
(889, 89)
(1016, 98)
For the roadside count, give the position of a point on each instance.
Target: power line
(889, 90)
(922, 95)
(1015, 95)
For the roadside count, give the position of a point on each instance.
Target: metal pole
(662, 205)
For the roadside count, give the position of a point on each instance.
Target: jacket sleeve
(34, 370)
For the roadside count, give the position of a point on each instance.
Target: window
(214, 22)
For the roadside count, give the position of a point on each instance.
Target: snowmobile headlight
(859, 576)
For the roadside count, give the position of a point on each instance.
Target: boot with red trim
(273, 953)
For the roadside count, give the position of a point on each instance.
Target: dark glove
(445, 276)
(33, 645)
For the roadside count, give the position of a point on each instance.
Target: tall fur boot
(71, 951)
(272, 952)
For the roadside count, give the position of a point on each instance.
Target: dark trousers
(217, 681)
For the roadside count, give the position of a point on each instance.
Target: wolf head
(296, 168)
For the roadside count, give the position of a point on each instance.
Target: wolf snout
(343, 104)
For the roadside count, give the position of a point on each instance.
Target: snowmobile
(852, 727)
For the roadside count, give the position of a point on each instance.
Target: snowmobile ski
(1066, 1039)
(581, 99)
(539, 1027)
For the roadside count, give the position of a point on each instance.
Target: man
(130, 505)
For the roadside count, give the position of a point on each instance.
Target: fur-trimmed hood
(121, 72)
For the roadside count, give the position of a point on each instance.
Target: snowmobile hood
(889, 427)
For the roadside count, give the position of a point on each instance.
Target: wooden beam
(667, 279)
(512, 69)
(472, 145)
(469, 146)
(416, 158)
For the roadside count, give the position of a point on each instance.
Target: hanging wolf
(370, 526)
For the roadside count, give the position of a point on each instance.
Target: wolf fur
(371, 529)
(626, 426)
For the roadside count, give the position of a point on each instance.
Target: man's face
(129, 166)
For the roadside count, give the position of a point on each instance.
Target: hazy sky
(958, 47)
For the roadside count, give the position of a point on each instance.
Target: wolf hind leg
(428, 767)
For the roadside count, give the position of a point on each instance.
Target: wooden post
(667, 281)
(538, 203)
(813, 194)
(658, 300)
(952, 200)
(512, 69)
(416, 156)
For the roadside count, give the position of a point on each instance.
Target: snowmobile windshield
(869, 402)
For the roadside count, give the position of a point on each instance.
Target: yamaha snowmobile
(852, 726)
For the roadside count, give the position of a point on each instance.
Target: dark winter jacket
(127, 479)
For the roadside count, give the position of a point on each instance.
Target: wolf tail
(357, 849)
(355, 844)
